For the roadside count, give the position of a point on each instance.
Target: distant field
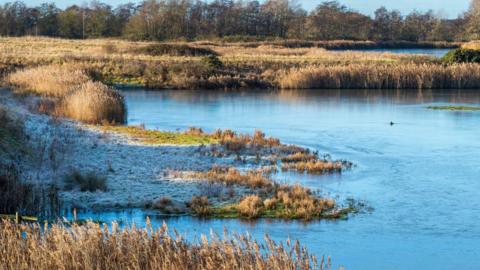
(222, 65)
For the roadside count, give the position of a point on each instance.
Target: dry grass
(48, 81)
(95, 247)
(94, 102)
(72, 94)
(299, 202)
(244, 65)
(200, 206)
(232, 176)
(270, 199)
(369, 76)
(250, 206)
(472, 45)
(237, 142)
(314, 166)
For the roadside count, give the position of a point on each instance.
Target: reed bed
(72, 94)
(94, 102)
(48, 81)
(368, 76)
(92, 246)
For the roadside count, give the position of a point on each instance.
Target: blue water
(421, 175)
(433, 52)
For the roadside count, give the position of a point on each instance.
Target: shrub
(173, 50)
(85, 182)
(462, 56)
(94, 103)
(251, 206)
(200, 206)
(212, 61)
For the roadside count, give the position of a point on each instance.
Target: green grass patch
(454, 108)
(158, 137)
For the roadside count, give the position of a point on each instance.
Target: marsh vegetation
(95, 247)
(219, 66)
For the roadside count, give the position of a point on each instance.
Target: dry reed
(93, 246)
(382, 76)
(94, 102)
(49, 81)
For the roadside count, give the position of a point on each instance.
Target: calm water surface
(421, 175)
(434, 52)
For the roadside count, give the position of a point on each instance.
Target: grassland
(222, 65)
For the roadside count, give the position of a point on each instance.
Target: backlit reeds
(94, 102)
(93, 246)
(72, 94)
(382, 76)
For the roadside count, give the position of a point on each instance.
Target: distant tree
(472, 17)
(71, 22)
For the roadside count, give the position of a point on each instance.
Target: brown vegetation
(48, 81)
(95, 247)
(382, 76)
(232, 176)
(200, 206)
(314, 166)
(72, 94)
(94, 102)
(236, 142)
(238, 65)
(250, 206)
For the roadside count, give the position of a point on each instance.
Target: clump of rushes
(314, 166)
(92, 246)
(237, 142)
(94, 103)
(200, 206)
(311, 163)
(250, 206)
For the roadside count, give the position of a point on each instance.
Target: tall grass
(95, 247)
(72, 93)
(382, 76)
(50, 81)
(94, 102)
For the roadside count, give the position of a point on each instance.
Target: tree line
(197, 19)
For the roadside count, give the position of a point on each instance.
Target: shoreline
(144, 175)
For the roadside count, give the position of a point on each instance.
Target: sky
(447, 8)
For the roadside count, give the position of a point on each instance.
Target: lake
(434, 52)
(421, 175)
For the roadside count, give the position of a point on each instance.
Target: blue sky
(449, 8)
